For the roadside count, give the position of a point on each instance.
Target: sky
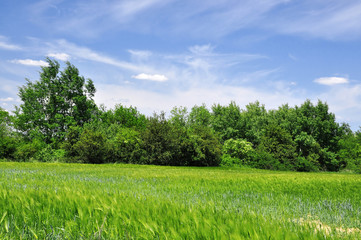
(158, 54)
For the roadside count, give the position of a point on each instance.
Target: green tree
(350, 151)
(226, 120)
(254, 120)
(203, 147)
(160, 141)
(55, 102)
(279, 143)
(125, 145)
(128, 117)
(8, 141)
(236, 152)
(199, 116)
(316, 121)
(91, 146)
(179, 116)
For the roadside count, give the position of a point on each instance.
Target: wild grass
(77, 201)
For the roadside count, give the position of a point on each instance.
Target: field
(74, 201)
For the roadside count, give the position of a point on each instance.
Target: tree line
(58, 120)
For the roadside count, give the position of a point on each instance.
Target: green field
(77, 201)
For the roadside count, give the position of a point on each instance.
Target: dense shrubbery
(59, 121)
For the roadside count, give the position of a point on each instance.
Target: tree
(226, 120)
(236, 152)
(254, 120)
(7, 140)
(199, 116)
(91, 146)
(55, 102)
(279, 143)
(179, 116)
(160, 141)
(125, 116)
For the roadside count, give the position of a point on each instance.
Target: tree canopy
(58, 100)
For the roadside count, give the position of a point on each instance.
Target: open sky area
(157, 54)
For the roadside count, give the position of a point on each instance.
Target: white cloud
(331, 80)
(154, 77)
(60, 56)
(9, 99)
(30, 62)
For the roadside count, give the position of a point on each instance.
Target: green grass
(74, 201)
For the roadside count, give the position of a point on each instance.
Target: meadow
(119, 201)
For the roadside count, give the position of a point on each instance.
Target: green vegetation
(117, 201)
(58, 121)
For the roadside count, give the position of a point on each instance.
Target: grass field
(73, 201)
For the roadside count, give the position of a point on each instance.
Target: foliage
(236, 152)
(200, 116)
(160, 141)
(171, 143)
(279, 143)
(8, 142)
(28, 150)
(254, 120)
(126, 146)
(179, 116)
(126, 117)
(91, 146)
(226, 120)
(55, 102)
(350, 152)
(204, 146)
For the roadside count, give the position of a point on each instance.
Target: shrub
(48, 154)
(26, 151)
(236, 152)
(264, 160)
(159, 141)
(90, 147)
(126, 146)
(205, 147)
(278, 142)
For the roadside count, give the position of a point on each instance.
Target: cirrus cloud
(331, 80)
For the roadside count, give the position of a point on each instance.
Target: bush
(90, 147)
(8, 145)
(236, 152)
(205, 147)
(173, 144)
(159, 141)
(229, 161)
(26, 151)
(264, 160)
(307, 164)
(48, 154)
(278, 142)
(126, 146)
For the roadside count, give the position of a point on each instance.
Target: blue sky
(157, 54)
